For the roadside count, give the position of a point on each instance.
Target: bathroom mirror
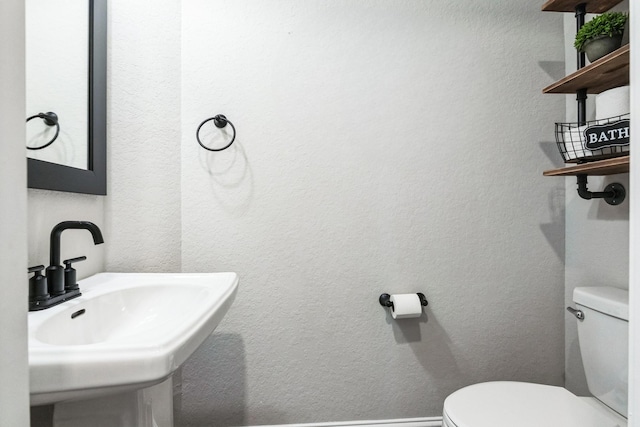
(66, 74)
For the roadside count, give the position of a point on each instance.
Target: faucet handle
(70, 283)
(36, 269)
(37, 284)
(68, 262)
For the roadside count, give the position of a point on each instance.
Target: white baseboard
(403, 422)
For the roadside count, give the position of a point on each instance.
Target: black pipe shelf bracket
(613, 194)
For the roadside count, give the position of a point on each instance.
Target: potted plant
(601, 35)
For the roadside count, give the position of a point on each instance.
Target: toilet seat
(517, 404)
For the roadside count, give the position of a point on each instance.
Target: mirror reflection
(57, 72)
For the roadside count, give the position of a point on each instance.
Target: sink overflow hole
(77, 313)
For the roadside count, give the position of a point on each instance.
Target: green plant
(607, 24)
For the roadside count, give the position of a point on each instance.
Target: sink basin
(126, 331)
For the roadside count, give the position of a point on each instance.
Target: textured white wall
(14, 369)
(380, 149)
(597, 234)
(143, 205)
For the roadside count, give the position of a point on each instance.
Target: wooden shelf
(600, 167)
(606, 73)
(593, 6)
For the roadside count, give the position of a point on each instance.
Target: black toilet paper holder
(385, 300)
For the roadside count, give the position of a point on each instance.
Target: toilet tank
(604, 340)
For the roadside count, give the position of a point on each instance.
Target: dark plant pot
(601, 46)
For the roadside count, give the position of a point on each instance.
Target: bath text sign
(613, 134)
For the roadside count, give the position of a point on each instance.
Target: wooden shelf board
(593, 6)
(600, 167)
(606, 73)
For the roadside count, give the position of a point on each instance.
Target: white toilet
(603, 325)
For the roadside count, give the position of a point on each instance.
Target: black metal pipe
(584, 192)
(581, 97)
(581, 11)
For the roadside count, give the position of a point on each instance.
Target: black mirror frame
(93, 180)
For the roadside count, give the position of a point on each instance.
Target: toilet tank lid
(605, 299)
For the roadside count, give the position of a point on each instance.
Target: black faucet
(55, 272)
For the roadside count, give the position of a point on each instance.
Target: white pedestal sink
(109, 354)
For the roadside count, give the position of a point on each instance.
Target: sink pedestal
(147, 407)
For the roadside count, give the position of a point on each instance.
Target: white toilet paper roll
(405, 306)
(613, 102)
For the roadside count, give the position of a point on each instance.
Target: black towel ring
(220, 121)
(50, 119)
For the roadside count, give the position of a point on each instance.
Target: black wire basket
(593, 140)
